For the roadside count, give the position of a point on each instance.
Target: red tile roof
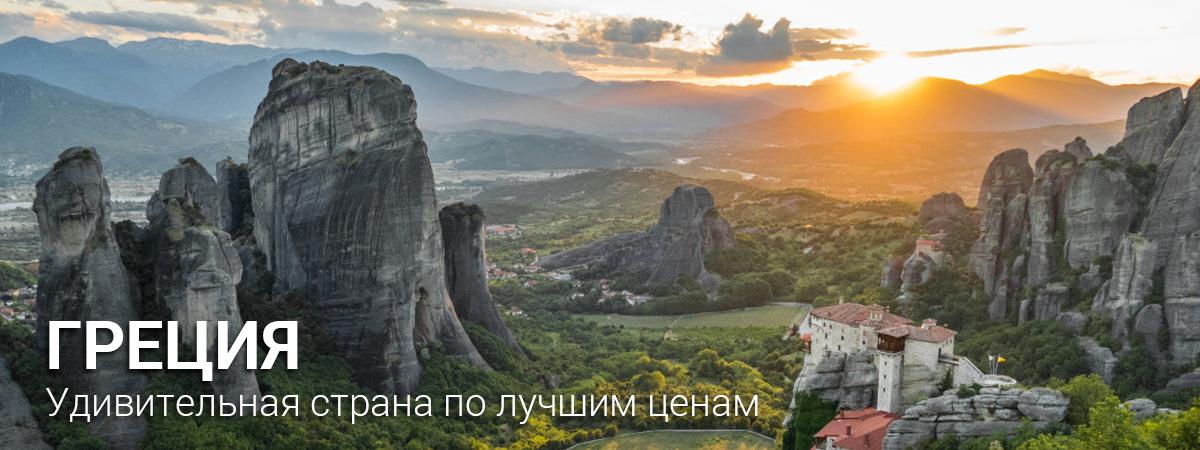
(861, 429)
(856, 314)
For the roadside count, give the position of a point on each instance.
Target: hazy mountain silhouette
(38, 120)
(685, 106)
(235, 93)
(1076, 97)
(928, 105)
(514, 80)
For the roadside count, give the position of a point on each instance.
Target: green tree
(1084, 391)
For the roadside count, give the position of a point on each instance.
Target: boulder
(81, 277)
(18, 429)
(345, 211)
(1002, 201)
(1043, 405)
(689, 227)
(1142, 408)
(466, 270)
(1186, 382)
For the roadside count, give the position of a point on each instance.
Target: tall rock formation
(466, 270)
(345, 212)
(1047, 195)
(688, 228)
(941, 205)
(197, 268)
(1151, 126)
(997, 256)
(1175, 206)
(82, 278)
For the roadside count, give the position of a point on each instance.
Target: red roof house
(860, 429)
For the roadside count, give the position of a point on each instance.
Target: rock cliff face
(846, 379)
(996, 257)
(1174, 210)
(18, 429)
(1131, 283)
(466, 270)
(233, 197)
(1100, 207)
(197, 269)
(1152, 125)
(82, 278)
(688, 228)
(345, 212)
(1055, 172)
(992, 411)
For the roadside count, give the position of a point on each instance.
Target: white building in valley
(910, 360)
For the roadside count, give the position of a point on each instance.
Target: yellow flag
(1000, 359)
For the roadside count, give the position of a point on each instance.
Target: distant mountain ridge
(37, 121)
(515, 80)
(488, 150)
(1076, 97)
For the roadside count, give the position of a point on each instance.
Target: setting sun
(889, 73)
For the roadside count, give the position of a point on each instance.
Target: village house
(861, 429)
(909, 359)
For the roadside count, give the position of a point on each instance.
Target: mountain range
(191, 93)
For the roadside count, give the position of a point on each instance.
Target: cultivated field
(778, 315)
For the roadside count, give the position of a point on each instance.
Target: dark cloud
(146, 21)
(52, 4)
(1008, 31)
(952, 51)
(744, 42)
(579, 49)
(420, 2)
(745, 49)
(639, 30)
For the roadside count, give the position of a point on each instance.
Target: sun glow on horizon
(889, 73)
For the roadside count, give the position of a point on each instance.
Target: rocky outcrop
(235, 212)
(1152, 125)
(1142, 408)
(197, 269)
(1047, 196)
(1100, 360)
(1147, 325)
(1181, 308)
(688, 228)
(1078, 148)
(1183, 383)
(1174, 210)
(466, 270)
(890, 275)
(942, 205)
(18, 429)
(1131, 284)
(82, 278)
(345, 212)
(1003, 197)
(1100, 207)
(850, 380)
(1182, 320)
(992, 411)
(1074, 321)
(918, 270)
(1049, 301)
